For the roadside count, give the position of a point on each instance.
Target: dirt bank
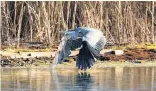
(132, 54)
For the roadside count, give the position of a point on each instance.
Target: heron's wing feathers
(59, 53)
(65, 47)
(74, 44)
(85, 58)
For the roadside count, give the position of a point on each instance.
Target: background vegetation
(43, 21)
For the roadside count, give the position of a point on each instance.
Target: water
(106, 79)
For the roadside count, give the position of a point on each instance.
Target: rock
(119, 52)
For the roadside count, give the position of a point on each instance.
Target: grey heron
(90, 41)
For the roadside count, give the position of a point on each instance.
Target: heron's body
(91, 41)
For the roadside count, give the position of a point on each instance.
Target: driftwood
(38, 54)
(32, 54)
(36, 45)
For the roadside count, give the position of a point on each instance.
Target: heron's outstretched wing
(64, 49)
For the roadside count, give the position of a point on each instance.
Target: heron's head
(80, 32)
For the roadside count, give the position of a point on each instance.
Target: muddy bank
(132, 54)
(129, 55)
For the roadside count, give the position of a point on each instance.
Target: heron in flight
(90, 41)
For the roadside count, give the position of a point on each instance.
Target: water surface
(106, 79)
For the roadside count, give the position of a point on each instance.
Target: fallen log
(38, 54)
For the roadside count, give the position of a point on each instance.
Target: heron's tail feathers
(86, 56)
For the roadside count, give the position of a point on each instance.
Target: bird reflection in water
(67, 81)
(83, 76)
(84, 81)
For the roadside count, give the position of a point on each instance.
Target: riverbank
(131, 57)
(101, 64)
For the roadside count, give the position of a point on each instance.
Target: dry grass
(145, 45)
